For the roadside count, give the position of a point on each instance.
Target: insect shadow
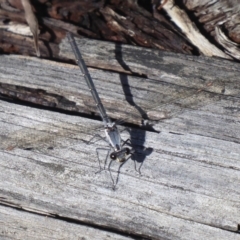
(137, 137)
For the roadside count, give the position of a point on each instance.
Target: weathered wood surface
(19, 225)
(47, 167)
(191, 91)
(189, 182)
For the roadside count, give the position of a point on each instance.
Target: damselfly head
(121, 155)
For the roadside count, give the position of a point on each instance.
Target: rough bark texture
(133, 22)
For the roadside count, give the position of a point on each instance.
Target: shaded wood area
(119, 21)
(192, 27)
(188, 187)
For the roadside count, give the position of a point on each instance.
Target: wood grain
(189, 182)
(180, 185)
(25, 225)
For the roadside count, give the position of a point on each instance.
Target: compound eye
(113, 156)
(127, 151)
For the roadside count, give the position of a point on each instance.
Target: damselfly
(119, 151)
